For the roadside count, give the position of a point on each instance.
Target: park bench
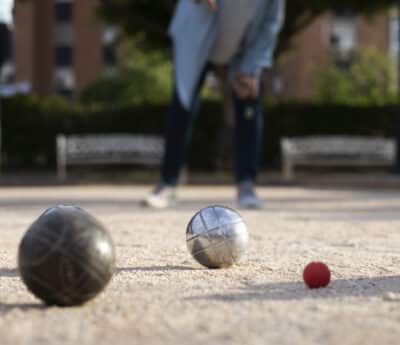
(107, 149)
(334, 151)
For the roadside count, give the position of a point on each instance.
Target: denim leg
(178, 135)
(177, 138)
(249, 123)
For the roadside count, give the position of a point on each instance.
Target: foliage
(30, 127)
(299, 14)
(370, 80)
(151, 18)
(144, 77)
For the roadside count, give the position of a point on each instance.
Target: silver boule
(217, 237)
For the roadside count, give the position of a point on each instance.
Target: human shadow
(9, 272)
(287, 291)
(155, 269)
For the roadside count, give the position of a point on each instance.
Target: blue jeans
(249, 121)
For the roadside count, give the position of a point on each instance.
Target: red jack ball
(316, 275)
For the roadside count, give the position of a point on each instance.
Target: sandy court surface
(159, 295)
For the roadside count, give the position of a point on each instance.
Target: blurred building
(60, 45)
(6, 66)
(332, 36)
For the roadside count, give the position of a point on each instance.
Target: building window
(343, 37)
(64, 56)
(63, 11)
(5, 44)
(7, 73)
(110, 36)
(109, 56)
(6, 55)
(64, 34)
(394, 35)
(64, 81)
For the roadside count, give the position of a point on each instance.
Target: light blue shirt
(194, 30)
(234, 19)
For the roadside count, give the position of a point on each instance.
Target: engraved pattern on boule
(66, 257)
(217, 237)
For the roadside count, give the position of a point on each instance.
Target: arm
(212, 4)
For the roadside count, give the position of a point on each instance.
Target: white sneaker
(247, 198)
(162, 197)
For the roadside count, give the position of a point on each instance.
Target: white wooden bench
(332, 151)
(107, 149)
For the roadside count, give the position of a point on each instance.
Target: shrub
(369, 81)
(30, 126)
(143, 78)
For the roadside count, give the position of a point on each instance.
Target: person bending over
(239, 34)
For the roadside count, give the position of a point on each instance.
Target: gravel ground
(159, 295)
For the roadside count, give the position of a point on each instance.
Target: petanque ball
(66, 257)
(217, 237)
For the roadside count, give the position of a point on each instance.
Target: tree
(150, 19)
(144, 18)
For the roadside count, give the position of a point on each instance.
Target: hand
(212, 4)
(246, 86)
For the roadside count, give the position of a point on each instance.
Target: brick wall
(24, 41)
(35, 46)
(309, 53)
(374, 32)
(44, 47)
(88, 43)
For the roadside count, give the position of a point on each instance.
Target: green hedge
(30, 127)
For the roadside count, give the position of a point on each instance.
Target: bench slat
(336, 151)
(108, 149)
